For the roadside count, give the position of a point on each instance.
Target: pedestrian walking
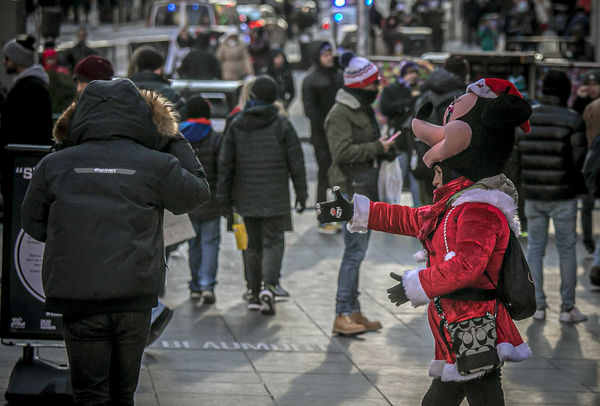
(259, 48)
(234, 57)
(200, 63)
(79, 51)
(551, 158)
(109, 180)
(180, 45)
(60, 84)
(279, 70)
(464, 234)
(356, 147)
(318, 96)
(260, 152)
(591, 116)
(397, 103)
(150, 75)
(204, 248)
(26, 113)
(586, 94)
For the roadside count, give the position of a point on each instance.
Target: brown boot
(359, 318)
(346, 326)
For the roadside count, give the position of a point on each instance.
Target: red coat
(477, 234)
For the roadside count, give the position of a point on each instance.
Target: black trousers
(265, 251)
(323, 157)
(484, 391)
(105, 354)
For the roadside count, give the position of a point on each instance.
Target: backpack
(515, 286)
(591, 168)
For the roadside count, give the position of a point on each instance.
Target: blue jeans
(564, 216)
(204, 254)
(355, 249)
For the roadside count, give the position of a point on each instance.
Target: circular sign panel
(28, 263)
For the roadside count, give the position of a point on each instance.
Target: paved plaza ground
(226, 355)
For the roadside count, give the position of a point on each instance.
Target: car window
(168, 14)
(251, 12)
(198, 14)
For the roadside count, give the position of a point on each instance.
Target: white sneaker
(574, 316)
(540, 314)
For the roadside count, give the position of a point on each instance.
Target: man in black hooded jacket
(318, 96)
(98, 205)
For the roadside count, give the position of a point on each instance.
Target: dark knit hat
(150, 59)
(458, 65)
(20, 51)
(198, 107)
(93, 67)
(591, 76)
(264, 89)
(556, 83)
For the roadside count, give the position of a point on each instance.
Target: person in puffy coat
(234, 58)
(260, 152)
(464, 233)
(98, 205)
(551, 159)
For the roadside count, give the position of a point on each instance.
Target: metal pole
(363, 27)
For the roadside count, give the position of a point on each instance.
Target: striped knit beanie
(358, 72)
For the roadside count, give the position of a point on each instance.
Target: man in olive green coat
(356, 146)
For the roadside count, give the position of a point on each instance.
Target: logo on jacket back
(107, 171)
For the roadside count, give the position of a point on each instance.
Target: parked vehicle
(253, 16)
(215, 15)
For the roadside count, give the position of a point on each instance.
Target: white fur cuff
(413, 288)
(360, 220)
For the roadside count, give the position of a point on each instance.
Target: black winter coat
(207, 152)
(397, 104)
(286, 90)
(260, 152)
(318, 97)
(442, 88)
(151, 81)
(200, 64)
(552, 155)
(98, 203)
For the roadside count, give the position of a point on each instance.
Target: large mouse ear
(506, 111)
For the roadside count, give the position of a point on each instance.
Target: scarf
(431, 214)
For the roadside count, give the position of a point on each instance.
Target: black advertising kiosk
(23, 320)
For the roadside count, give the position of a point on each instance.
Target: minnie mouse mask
(478, 130)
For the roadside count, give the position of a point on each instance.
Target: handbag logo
(336, 212)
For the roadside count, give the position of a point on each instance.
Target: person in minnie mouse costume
(464, 233)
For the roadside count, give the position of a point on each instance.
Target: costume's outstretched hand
(397, 294)
(339, 209)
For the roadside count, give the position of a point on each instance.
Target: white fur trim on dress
(449, 255)
(413, 288)
(508, 352)
(421, 256)
(360, 220)
(496, 198)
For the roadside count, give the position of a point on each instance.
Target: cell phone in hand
(394, 136)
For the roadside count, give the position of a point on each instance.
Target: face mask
(231, 42)
(366, 97)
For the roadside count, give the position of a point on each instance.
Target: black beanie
(150, 59)
(556, 83)
(264, 89)
(198, 107)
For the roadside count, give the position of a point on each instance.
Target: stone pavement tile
(177, 398)
(330, 401)
(145, 399)
(210, 388)
(541, 380)
(193, 377)
(583, 370)
(526, 398)
(196, 360)
(315, 363)
(325, 386)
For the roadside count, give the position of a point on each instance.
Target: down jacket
(552, 155)
(98, 202)
(260, 152)
(477, 233)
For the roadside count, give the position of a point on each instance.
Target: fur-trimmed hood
(118, 108)
(347, 99)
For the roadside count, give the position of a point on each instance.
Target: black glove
(300, 205)
(339, 209)
(425, 111)
(397, 294)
